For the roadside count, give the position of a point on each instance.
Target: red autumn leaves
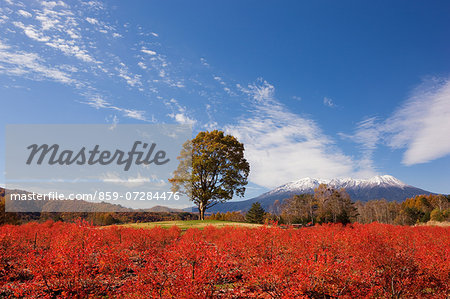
(371, 260)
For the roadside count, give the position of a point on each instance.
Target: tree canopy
(325, 205)
(212, 169)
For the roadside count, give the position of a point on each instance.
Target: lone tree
(255, 214)
(212, 169)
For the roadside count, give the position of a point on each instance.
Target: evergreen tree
(255, 214)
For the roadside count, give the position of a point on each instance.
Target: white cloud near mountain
(367, 135)
(420, 126)
(422, 123)
(282, 146)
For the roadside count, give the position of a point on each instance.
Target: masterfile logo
(94, 156)
(127, 165)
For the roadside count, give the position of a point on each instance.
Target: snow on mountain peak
(386, 179)
(309, 184)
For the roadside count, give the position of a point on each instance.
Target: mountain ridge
(377, 187)
(308, 183)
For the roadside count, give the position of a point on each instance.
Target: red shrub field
(57, 260)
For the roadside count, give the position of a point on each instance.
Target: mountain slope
(378, 187)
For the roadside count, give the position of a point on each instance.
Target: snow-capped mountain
(307, 185)
(384, 186)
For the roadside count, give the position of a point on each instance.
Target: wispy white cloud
(367, 135)
(20, 63)
(420, 125)
(53, 4)
(211, 124)
(32, 33)
(147, 51)
(219, 79)
(93, 4)
(71, 50)
(52, 28)
(204, 62)
(179, 113)
(24, 13)
(69, 32)
(282, 146)
(92, 21)
(136, 114)
(131, 79)
(182, 118)
(3, 19)
(142, 65)
(97, 101)
(328, 102)
(225, 86)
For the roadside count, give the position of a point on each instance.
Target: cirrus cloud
(422, 123)
(420, 126)
(282, 146)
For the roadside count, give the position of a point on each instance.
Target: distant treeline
(228, 216)
(419, 209)
(96, 218)
(328, 205)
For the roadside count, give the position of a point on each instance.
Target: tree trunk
(201, 210)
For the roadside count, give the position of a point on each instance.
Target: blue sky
(313, 88)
